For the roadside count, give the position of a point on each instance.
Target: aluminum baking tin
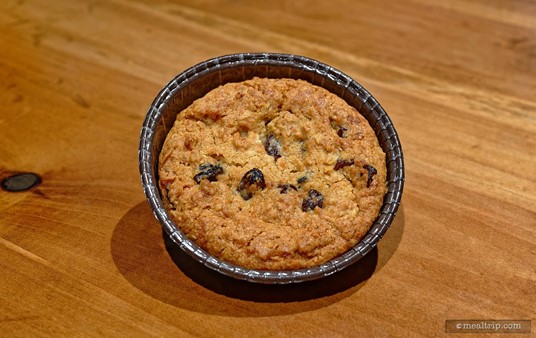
(198, 80)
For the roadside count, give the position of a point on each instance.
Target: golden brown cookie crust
(301, 138)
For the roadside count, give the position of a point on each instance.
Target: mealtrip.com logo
(488, 326)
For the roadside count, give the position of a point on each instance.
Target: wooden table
(81, 253)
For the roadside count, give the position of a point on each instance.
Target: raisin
(272, 146)
(302, 179)
(315, 199)
(252, 181)
(371, 171)
(208, 171)
(286, 187)
(342, 132)
(343, 163)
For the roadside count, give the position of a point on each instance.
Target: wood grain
(81, 254)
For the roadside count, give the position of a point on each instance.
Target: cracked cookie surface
(272, 174)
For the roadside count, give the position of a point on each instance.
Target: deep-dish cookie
(272, 174)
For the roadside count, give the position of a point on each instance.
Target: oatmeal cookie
(272, 174)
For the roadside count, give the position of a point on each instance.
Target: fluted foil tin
(198, 80)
